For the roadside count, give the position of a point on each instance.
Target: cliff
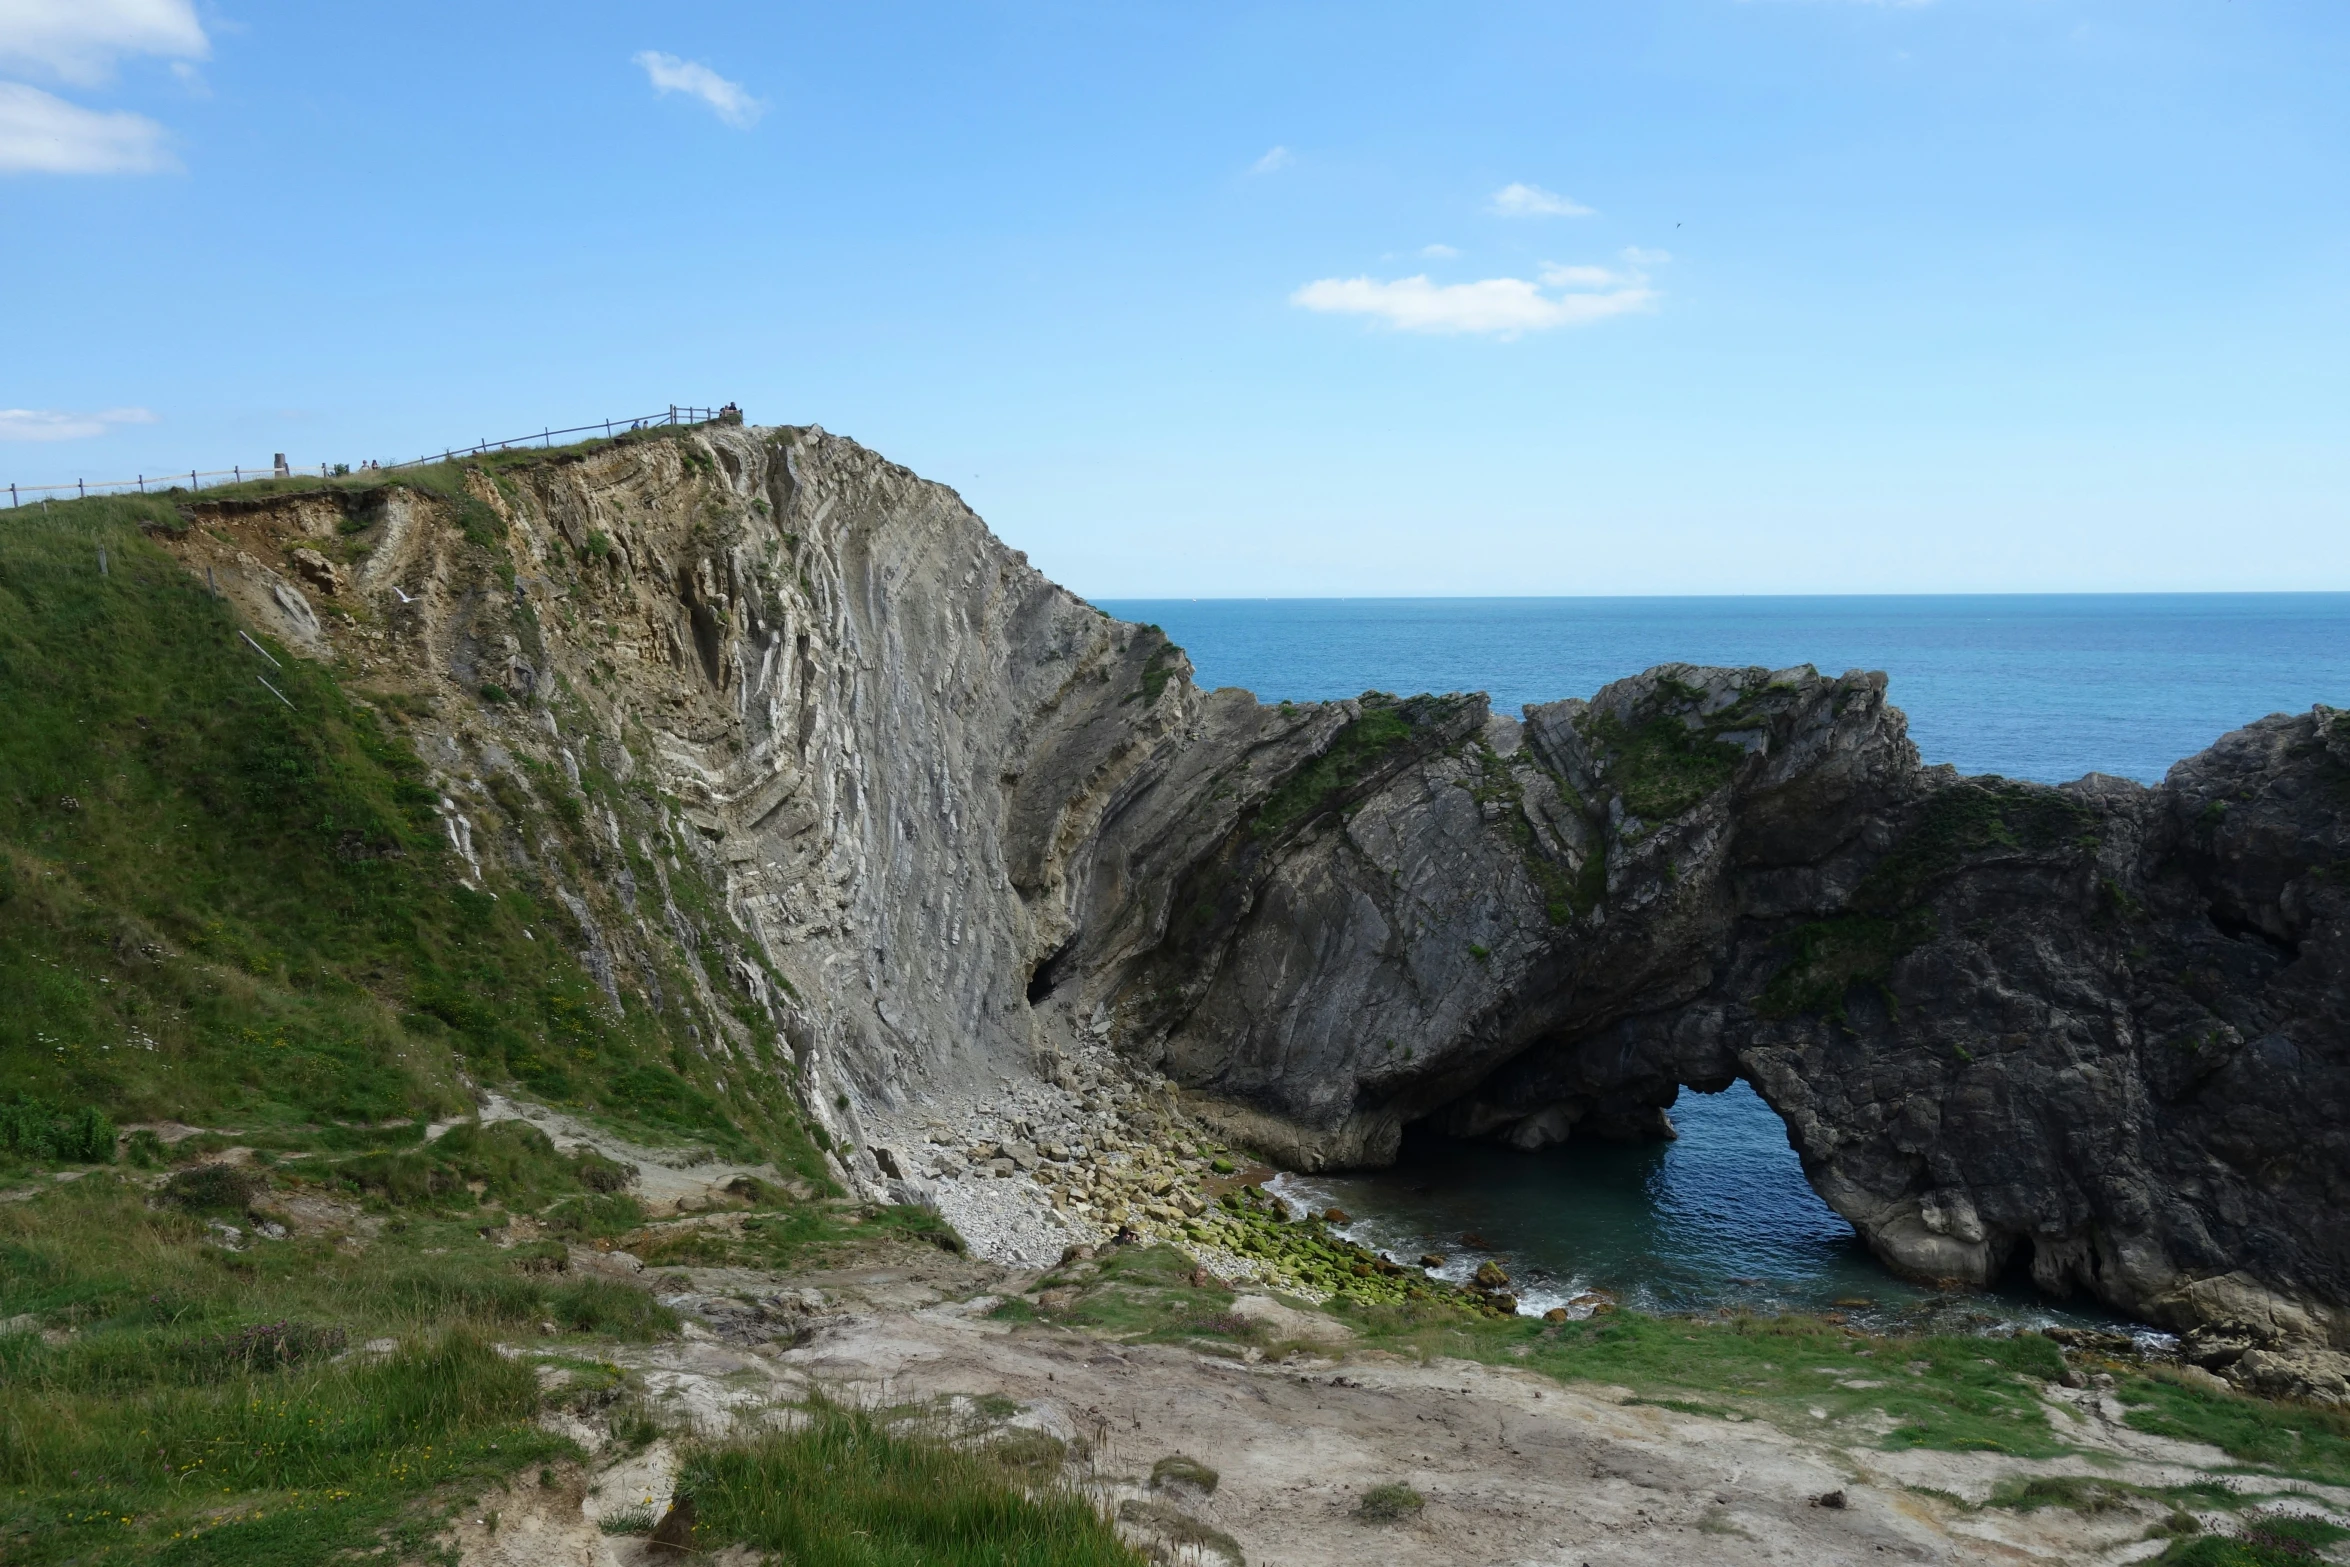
(798, 757)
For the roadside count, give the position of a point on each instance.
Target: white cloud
(1439, 252)
(726, 99)
(1503, 307)
(44, 424)
(1578, 277)
(79, 40)
(1277, 158)
(40, 134)
(1532, 201)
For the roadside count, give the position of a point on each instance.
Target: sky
(1199, 299)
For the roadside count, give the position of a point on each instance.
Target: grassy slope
(224, 908)
(202, 1405)
(216, 905)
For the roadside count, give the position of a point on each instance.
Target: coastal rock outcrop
(963, 831)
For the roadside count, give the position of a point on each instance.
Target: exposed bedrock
(967, 820)
(2097, 1031)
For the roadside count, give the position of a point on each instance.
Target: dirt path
(667, 1180)
(1514, 1468)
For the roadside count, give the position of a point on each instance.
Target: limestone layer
(977, 828)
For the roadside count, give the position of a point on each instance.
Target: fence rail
(194, 479)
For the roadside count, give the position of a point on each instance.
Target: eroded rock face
(960, 823)
(2097, 1030)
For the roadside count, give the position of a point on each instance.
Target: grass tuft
(1390, 1504)
(841, 1491)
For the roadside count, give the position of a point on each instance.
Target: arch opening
(1713, 1211)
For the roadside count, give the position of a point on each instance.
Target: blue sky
(1703, 296)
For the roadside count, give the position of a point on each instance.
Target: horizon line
(1539, 598)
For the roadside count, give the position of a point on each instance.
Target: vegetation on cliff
(351, 1313)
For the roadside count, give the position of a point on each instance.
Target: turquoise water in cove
(2039, 687)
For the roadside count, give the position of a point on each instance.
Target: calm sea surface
(2042, 687)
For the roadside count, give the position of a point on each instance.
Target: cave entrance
(1722, 1216)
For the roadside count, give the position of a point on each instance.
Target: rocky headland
(1045, 932)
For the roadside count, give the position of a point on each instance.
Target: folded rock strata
(966, 828)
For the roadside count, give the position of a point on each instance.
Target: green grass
(2301, 1440)
(1181, 1469)
(201, 1406)
(2072, 1492)
(1359, 751)
(34, 1129)
(1157, 669)
(1565, 895)
(1145, 1294)
(791, 1236)
(1970, 1395)
(188, 869)
(1660, 765)
(2268, 1540)
(215, 907)
(1389, 1504)
(843, 1491)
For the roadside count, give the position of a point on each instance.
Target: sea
(2040, 687)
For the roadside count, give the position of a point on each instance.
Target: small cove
(2043, 687)
(1722, 1217)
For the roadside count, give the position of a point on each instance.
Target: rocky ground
(1264, 1450)
(1511, 1466)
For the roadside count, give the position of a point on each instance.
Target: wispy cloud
(1532, 201)
(1275, 158)
(1439, 252)
(45, 424)
(79, 40)
(41, 134)
(728, 100)
(1503, 307)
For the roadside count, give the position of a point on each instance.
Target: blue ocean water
(2045, 687)
(2039, 687)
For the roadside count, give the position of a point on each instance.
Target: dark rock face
(2102, 1031)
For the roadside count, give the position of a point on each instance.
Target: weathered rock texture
(967, 822)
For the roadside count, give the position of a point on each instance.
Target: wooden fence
(194, 479)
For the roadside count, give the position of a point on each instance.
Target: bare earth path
(1514, 1467)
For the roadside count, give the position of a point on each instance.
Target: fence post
(82, 488)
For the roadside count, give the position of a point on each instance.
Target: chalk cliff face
(971, 825)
